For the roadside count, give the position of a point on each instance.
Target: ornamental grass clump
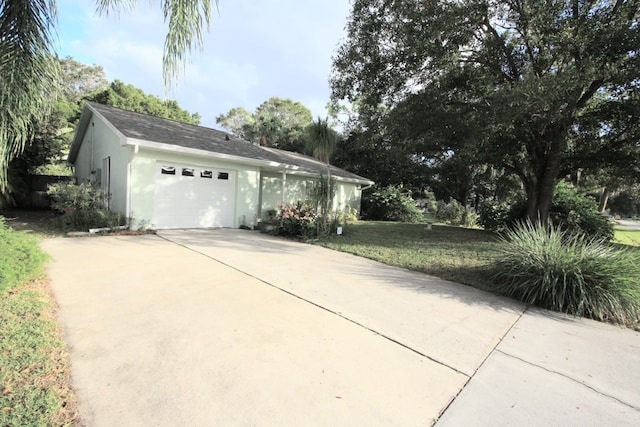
(570, 273)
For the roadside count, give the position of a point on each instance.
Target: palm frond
(186, 20)
(29, 73)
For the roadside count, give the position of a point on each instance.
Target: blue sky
(255, 50)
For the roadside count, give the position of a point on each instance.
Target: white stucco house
(165, 174)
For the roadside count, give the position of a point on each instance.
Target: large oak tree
(533, 77)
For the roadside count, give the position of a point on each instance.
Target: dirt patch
(43, 222)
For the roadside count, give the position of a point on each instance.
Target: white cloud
(255, 50)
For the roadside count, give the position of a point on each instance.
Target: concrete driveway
(232, 327)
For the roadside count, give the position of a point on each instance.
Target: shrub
(570, 209)
(578, 213)
(554, 269)
(21, 258)
(392, 203)
(452, 213)
(82, 206)
(297, 220)
(626, 204)
(495, 216)
(66, 197)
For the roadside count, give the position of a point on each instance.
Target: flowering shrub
(297, 220)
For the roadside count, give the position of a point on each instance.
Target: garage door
(188, 196)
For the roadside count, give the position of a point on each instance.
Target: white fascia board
(203, 153)
(337, 178)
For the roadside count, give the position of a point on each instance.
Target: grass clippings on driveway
(458, 254)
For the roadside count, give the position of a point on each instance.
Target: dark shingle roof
(155, 129)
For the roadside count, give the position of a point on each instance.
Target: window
(206, 174)
(168, 170)
(188, 172)
(223, 175)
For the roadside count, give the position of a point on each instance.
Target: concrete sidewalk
(231, 327)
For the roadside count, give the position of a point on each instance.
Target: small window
(188, 172)
(206, 174)
(223, 175)
(168, 170)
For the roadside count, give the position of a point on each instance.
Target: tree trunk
(604, 199)
(540, 193)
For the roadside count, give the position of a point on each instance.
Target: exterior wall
(101, 141)
(143, 170)
(347, 195)
(297, 189)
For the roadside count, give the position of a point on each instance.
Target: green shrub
(495, 216)
(571, 209)
(66, 197)
(455, 213)
(82, 206)
(626, 204)
(554, 269)
(577, 212)
(21, 258)
(297, 220)
(85, 219)
(392, 203)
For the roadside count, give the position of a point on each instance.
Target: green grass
(34, 377)
(626, 236)
(471, 256)
(458, 254)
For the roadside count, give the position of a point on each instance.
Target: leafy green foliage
(277, 122)
(29, 74)
(131, 98)
(322, 195)
(551, 268)
(450, 213)
(392, 203)
(495, 216)
(297, 220)
(577, 212)
(21, 260)
(626, 204)
(82, 206)
(570, 209)
(533, 88)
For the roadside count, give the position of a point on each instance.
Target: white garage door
(189, 196)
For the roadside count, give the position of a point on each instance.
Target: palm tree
(321, 142)
(29, 72)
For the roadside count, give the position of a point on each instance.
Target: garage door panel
(197, 201)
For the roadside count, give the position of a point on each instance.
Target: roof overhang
(263, 164)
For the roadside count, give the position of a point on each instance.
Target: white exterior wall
(297, 188)
(143, 170)
(100, 141)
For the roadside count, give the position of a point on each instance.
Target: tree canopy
(29, 73)
(521, 86)
(277, 122)
(131, 98)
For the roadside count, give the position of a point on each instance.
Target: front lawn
(458, 254)
(627, 236)
(34, 373)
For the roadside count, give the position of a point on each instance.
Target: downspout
(128, 185)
